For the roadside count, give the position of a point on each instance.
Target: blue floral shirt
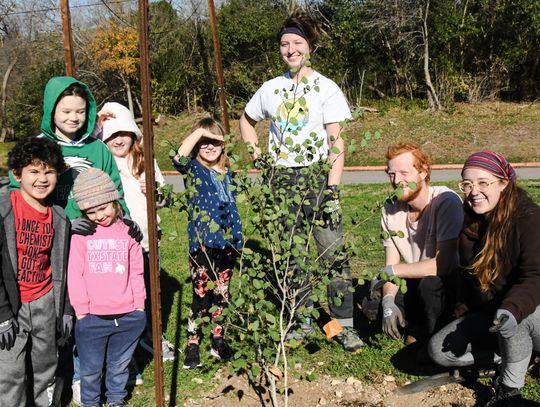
(213, 215)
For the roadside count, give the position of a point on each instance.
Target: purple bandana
(491, 162)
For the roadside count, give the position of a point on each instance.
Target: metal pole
(148, 145)
(219, 67)
(69, 59)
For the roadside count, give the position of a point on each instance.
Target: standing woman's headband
(491, 162)
(292, 30)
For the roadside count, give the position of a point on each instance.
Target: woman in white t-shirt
(306, 156)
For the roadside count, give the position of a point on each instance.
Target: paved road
(375, 177)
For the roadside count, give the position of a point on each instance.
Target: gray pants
(467, 341)
(36, 341)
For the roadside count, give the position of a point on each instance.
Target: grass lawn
(381, 356)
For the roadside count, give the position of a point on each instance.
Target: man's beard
(413, 194)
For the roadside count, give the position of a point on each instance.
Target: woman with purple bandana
(498, 307)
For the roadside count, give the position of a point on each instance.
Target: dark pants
(209, 265)
(310, 184)
(33, 358)
(114, 339)
(423, 305)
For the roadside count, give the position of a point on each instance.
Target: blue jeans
(100, 337)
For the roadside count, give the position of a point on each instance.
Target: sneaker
(303, 329)
(192, 359)
(167, 352)
(504, 396)
(76, 393)
(221, 349)
(349, 339)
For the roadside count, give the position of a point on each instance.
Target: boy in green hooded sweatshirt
(69, 118)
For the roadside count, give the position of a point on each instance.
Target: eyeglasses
(209, 142)
(482, 186)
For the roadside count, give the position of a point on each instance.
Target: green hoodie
(79, 155)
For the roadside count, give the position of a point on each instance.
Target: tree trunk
(4, 87)
(433, 99)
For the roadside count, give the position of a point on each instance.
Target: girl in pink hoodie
(106, 289)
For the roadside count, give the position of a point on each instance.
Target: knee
(437, 353)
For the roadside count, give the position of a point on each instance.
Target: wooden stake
(69, 59)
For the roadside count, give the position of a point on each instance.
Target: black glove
(134, 229)
(392, 316)
(372, 301)
(331, 207)
(66, 326)
(82, 226)
(8, 333)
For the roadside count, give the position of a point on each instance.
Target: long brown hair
(214, 127)
(489, 262)
(136, 152)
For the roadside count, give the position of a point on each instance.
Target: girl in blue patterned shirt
(214, 232)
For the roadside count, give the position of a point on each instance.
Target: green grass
(381, 356)
(4, 149)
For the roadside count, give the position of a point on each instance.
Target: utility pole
(219, 67)
(69, 59)
(148, 145)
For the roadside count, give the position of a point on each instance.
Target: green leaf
(311, 377)
(335, 150)
(210, 285)
(213, 226)
(270, 318)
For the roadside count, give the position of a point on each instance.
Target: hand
(65, 329)
(82, 226)
(81, 316)
(142, 184)
(203, 133)
(331, 208)
(389, 270)
(134, 229)
(505, 323)
(8, 333)
(392, 316)
(104, 115)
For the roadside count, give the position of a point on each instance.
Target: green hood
(53, 90)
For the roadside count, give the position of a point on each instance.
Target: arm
(337, 160)
(110, 168)
(77, 292)
(249, 135)
(136, 275)
(442, 264)
(392, 258)
(191, 141)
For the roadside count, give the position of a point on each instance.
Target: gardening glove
(8, 333)
(392, 317)
(372, 301)
(66, 326)
(389, 270)
(505, 323)
(331, 207)
(134, 229)
(82, 226)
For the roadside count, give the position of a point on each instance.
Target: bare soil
(233, 391)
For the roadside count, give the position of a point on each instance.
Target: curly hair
(422, 159)
(36, 150)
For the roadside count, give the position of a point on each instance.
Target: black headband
(292, 30)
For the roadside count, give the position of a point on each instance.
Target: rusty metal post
(69, 59)
(219, 67)
(148, 145)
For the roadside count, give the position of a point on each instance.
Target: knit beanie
(123, 120)
(491, 162)
(93, 188)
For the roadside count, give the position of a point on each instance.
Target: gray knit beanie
(93, 188)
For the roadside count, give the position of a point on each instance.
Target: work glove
(8, 333)
(389, 270)
(66, 326)
(372, 301)
(82, 226)
(134, 229)
(331, 207)
(505, 323)
(392, 317)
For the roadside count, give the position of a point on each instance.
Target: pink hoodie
(105, 272)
